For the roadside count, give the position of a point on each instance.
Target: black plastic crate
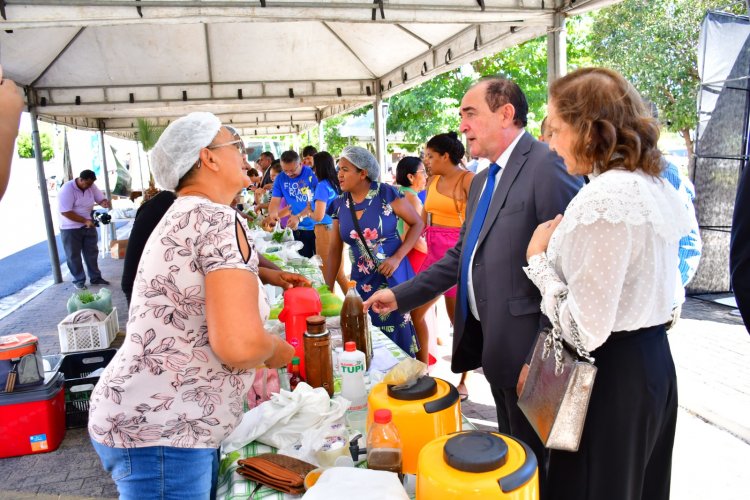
(78, 385)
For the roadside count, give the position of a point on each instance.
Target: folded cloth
(338, 483)
(85, 316)
(280, 472)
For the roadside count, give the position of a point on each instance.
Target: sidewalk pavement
(711, 349)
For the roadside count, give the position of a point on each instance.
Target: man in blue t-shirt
(296, 184)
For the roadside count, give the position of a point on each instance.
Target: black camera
(100, 217)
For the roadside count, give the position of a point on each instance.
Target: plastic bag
(282, 235)
(407, 371)
(281, 421)
(265, 384)
(322, 444)
(102, 301)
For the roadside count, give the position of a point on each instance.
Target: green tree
(26, 147)
(334, 142)
(148, 134)
(429, 108)
(432, 107)
(526, 64)
(654, 43)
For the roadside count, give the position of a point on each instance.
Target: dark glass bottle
(318, 358)
(295, 378)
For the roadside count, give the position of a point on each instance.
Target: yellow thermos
(477, 465)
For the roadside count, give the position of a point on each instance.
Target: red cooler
(33, 420)
(299, 303)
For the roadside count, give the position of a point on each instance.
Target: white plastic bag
(281, 421)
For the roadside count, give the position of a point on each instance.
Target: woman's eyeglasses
(237, 142)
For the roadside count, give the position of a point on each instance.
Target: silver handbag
(555, 397)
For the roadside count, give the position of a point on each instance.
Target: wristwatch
(301, 217)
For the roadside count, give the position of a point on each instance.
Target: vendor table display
(232, 486)
(386, 354)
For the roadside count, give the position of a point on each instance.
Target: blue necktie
(471, 239)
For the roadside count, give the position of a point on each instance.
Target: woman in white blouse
(614, 253)
(195, 334)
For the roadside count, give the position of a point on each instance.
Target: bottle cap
(295, 360)
(350, 346)
(382, 416)
(316, 326)
(352, 284)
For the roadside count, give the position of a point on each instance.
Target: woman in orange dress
(444, 211)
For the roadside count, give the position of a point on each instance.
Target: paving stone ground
(711, 349)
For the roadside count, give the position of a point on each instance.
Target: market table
(232, 486)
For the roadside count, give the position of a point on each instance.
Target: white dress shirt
(502, 161)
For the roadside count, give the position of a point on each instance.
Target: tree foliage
(429, 108)
(653, 43)
(148, 133)
(26, 147)
(432, 107)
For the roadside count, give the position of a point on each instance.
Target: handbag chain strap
(554, 338)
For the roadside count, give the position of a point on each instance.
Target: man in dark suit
(739, 248)
(498, 307)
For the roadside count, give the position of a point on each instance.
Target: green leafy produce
(272, 257)
(86, 297)
(278, 236)
(275, 311)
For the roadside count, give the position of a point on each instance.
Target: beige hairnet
(363, 160)
(179, 147)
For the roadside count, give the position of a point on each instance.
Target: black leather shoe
(100, 281)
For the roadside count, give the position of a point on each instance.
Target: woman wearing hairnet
(195, 335)
(365, 216)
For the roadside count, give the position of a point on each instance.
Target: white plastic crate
(88, 336)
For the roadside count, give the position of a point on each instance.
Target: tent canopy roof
(268, 67)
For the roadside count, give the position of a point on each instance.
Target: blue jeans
(161, 472)
(82, 241)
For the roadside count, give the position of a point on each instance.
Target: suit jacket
(534, 188)
(739, 248)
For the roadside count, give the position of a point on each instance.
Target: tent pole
(140, 165)
(107, 191)
(557, 61)
(321, 135)
(42, 179)
(380, 112)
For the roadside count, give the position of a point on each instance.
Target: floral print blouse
(165, 386)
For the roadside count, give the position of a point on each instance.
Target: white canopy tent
(266, 67)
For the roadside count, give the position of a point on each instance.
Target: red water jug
(299, 303)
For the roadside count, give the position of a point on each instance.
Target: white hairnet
(363, 160)
(179, 147)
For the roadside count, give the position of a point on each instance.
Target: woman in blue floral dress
(378, 257)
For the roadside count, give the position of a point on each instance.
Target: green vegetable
(278, 236)
(274, 314)
(86, 297)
